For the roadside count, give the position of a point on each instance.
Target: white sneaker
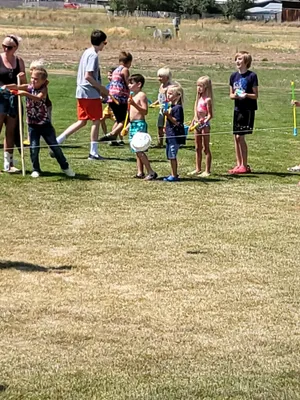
(13, 170)
(194, 173)
(69, 172)
(6, 161)
(35, 174)
(296, 168)
(205, 174)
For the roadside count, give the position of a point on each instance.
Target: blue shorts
(139, 125)
(172, 148)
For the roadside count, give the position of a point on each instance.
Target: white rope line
(189, 136)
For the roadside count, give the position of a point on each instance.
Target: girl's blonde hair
(36, 64)
(177, 88)
(165, 71)
(41, 72)
(205, 81)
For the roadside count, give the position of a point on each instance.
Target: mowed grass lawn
(115, 288)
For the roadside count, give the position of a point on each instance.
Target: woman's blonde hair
(166, 72)
(205, 81)
(178, 89)
(247, 58)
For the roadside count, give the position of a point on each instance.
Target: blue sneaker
(171, 178)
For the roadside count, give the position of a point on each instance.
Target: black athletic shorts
(243, 122)
(119, 110)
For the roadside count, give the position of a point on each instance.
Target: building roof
(271, 8)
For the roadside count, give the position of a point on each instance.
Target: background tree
(236, 8)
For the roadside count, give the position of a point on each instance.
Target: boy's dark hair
(137, 78)
(125, 57)
(111, 70)
(97, 37)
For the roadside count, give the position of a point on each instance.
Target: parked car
(75, 6)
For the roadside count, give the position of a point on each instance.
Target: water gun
(239, 92)
(12, 91)
(198, 125)
(165, 106)
(295, 130)
(114, 99)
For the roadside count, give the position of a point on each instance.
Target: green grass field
(113, 288)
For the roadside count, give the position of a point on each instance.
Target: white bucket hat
(141, 141)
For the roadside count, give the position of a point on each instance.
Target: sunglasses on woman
(7, 47)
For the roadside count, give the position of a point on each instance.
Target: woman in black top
(10, 66)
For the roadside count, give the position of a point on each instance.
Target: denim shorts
(172, 149)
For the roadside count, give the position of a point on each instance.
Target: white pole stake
(21, 129)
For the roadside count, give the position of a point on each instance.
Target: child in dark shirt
(244, 92)
(174, 128)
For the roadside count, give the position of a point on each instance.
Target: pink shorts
(89, 109)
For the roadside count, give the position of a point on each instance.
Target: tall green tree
(116, 5)
(236, 8)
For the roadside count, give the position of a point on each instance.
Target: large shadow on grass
(28, 267)
(275, 173)
(257, 174)
(205, 181)
(80, 177)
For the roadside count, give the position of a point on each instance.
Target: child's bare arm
(34, 97)
(232, 94)
(209, 111)
(125, 74)
(141, 103)
(13, 86)
(254, 95)
(171, 118)
(30, 96)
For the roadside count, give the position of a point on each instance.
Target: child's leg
(70, 130)
(171, 152)
(207, 152)
(48, 134)
(244, 150)
(117, 129)
(103, 125)
(144, 160)
(238, 153)
(174, 167)
(198, 148)
(94, 137)
(161, 134)
(139, 165)
(120, 112)
(9, 139)
(34, 148)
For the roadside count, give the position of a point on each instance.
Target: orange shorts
(89, 109)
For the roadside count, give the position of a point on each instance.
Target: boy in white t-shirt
(89, 89)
